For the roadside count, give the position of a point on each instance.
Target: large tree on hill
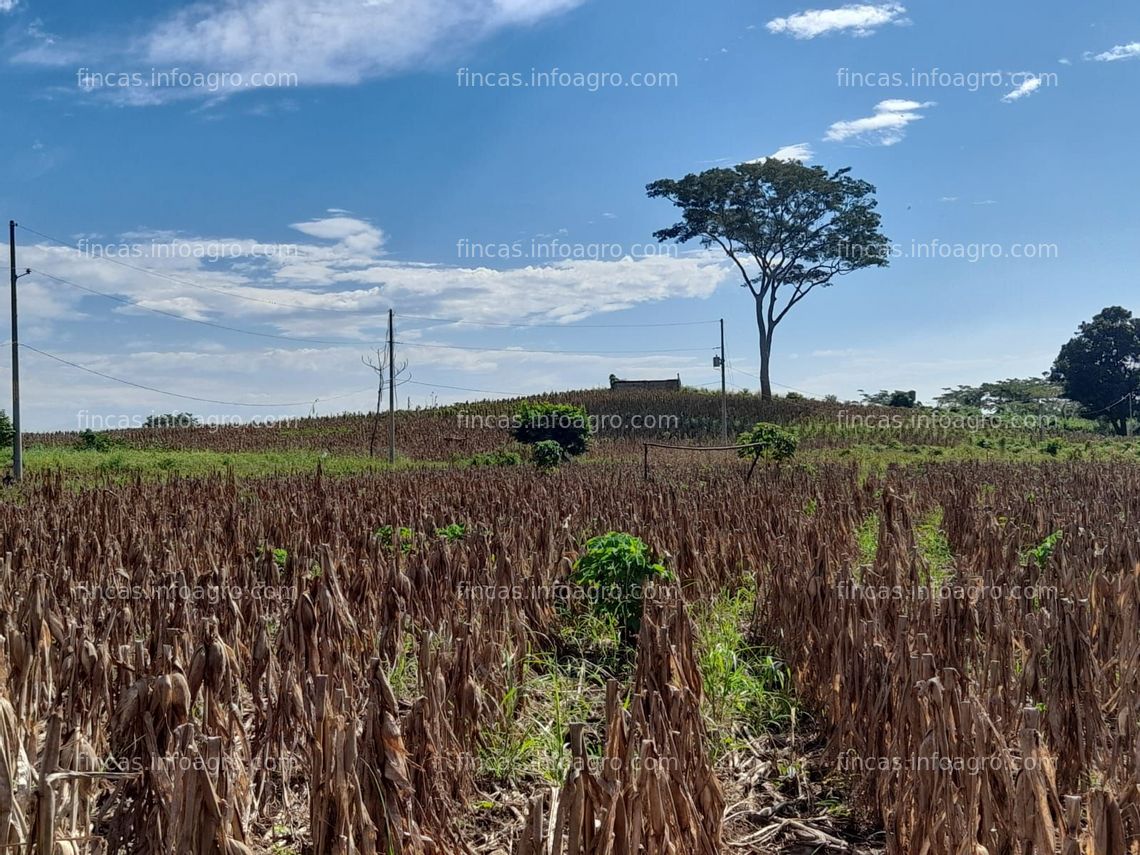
(788, 228)
(1099, 368)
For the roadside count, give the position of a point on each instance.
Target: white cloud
(859, 20)
(338, 262)
(886, 126)
(331, 41)
(1128, 51)
(1065, 61)
(303, 42)
(1027, 87)
(8, 5)
(287, 286)
(799, 151)
(948, 199)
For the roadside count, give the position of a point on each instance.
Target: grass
(530, 741)
(90, 465)
(934, 548)
(747, 689)
(867, 536)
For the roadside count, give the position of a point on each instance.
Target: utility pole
(719, 361)
(17, 440)
(391, 389)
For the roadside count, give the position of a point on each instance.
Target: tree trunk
(765, 352)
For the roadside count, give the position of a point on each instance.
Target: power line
(179, 395)
(127, 301)
(466, 389)
(568, 326)
(731, 367)
(556, 352)
(465, 322)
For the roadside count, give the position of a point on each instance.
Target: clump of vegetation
(89, 440)
(6, 429)
(615, 571)
(1041, 553)
(452, 532)
(499, 457)
(566, 424)
(548, 454)
(867, 536)
(746, 686)
(767, 442)
(934, 547)
(171, 420)
(403, 539)
(280, 555)
(897, 398)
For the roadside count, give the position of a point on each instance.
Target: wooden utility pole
(17, 443)
(391, 389)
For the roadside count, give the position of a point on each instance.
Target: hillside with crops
(620, 421)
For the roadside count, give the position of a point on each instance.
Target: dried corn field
(218, 666)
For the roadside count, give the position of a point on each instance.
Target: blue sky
(380, 172)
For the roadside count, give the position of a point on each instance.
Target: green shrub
(547, 454)
(1053, 447)
(1041, 553)
(280, 554)
(768, 441)
(90, 441)
(565, 424)
(387, 536)
(499, 457)
(6, 429)
(615, 569)
(452, 532)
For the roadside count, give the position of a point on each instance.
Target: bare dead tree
(380, 366)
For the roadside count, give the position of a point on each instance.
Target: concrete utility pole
(17, 440)
(391, 389)
(719, 361)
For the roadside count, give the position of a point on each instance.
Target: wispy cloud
(799, 151)
(886, 126)
(1128, 51)
(8, 5)
(339, 42)
(858, 20)
(1027, 87)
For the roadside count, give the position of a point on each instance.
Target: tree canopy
(1099, 367)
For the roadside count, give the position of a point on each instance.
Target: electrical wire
(105, 376)
(569, 326)
(128, 302)
(555, 352)
(189, 284)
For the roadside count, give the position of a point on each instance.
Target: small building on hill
(618, 385)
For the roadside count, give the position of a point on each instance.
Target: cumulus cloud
(1128, 51)
(886, 126)
(1027, 87)
(858, 20)
(331, 285)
